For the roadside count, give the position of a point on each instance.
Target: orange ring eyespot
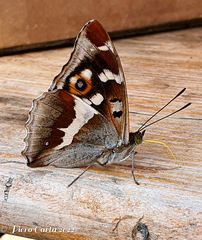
(79, 86)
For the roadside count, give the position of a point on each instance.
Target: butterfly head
(137, 137)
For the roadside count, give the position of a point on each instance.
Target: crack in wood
(7, 162)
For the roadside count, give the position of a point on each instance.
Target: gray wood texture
(170, 191)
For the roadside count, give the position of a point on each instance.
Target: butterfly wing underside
(85, 111)
(96, 61)
(64, 131)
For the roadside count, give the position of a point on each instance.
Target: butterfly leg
(133, 167)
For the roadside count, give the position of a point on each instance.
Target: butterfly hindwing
(63, 130)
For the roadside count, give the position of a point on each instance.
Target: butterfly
(83, 119)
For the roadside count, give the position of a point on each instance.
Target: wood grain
(170, 191)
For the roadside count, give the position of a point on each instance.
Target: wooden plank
(169, 195)
(62, 19)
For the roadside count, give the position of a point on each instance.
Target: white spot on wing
(117, 106)
(87, 74)
(60, 85)
(83, 114)
(107, 75)
(73, 80)
(103, 48)
(97, 99)
(86, 101)
(118, 79)
(109, 45)
(103, 78)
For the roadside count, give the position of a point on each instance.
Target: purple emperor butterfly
(83, 118)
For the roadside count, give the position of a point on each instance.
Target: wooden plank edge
(170, 26)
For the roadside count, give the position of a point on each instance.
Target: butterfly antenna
(145, 126)
(180, 93)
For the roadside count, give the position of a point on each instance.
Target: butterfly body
(83, 118)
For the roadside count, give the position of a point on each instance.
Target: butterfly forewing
(94, 73)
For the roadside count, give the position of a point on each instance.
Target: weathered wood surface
(170, 191)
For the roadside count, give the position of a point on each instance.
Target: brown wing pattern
(64, 131)
(95, 61)
(49, 113)
(85, 111)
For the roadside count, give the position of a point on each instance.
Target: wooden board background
(34, 23)
(170, 191)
